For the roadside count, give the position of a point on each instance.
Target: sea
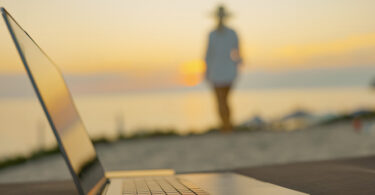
(24, 128)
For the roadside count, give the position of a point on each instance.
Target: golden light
(299, 54)
(192, 72)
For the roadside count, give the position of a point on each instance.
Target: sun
(192, 72)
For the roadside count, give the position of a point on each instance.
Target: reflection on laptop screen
(58, 105)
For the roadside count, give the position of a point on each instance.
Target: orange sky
(147, 36)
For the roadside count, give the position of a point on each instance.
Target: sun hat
(221, 11)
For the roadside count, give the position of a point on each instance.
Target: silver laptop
(79, 153)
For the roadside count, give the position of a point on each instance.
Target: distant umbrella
(297, 114)
(256, 121)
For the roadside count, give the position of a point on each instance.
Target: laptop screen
(60, 110)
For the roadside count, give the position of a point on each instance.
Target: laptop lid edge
(5, 14)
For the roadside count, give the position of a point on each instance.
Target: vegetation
(142, 134)
(364, 115)
(34, 155)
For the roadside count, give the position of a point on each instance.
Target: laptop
(79, 153)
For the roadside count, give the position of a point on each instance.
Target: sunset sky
(168, 37)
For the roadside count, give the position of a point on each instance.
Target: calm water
(24, 127)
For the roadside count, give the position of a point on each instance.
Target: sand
(212, 151)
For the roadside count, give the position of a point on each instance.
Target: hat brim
(226, 15)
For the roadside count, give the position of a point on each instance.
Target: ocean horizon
(24, 127)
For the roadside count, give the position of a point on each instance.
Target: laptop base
(212, 183)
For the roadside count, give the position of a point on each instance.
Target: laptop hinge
(104, 187)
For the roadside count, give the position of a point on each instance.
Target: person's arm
(235, 53)
(209, 53)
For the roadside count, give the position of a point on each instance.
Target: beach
(211, 151)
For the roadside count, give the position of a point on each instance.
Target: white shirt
(221, 69)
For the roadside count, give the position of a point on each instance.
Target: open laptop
(79, 153)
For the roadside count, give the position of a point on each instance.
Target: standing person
(222, 60)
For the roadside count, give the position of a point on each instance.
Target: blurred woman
(222, 60)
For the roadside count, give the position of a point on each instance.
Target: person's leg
(227, 124)
(220, 104)
(223, 108)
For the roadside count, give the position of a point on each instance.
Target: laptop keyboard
(160, 185)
